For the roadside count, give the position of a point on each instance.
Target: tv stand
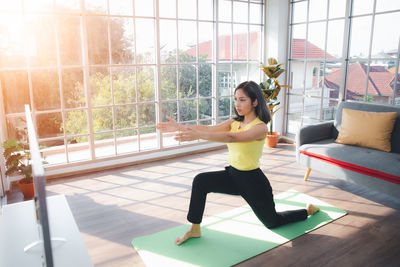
(19, 233)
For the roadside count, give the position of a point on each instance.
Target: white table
(18, 228)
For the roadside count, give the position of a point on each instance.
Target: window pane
(76, 122)
(167, 8)
(53, 151)
(224, 41)
(224, 80)
(224, 10)
(316, 40)
(73, 91)
(312, 108)
(240, 34)
(6, 5)
(205, 41)
(240, 12)
(299, 12)
(122, 44)
(332, 76)
(187, 40)
(255, 43)
(255, 13)
(385, 44)
(125, 117)
(187, 9)
(97, 40)
(148, 138)
(187, 81)
(318, 10)
(144, 8)
(294, 113)
(298, 41)
(145, 42)
(49, 125)
(123, 84)
(335, 39)
(168, 41)
(360, 36)
(254, 73)
(205, 79)
(104, 145)
(78, 149)
(12, 41)
(68, 6)
(102, 119)
(188, 110)
(224, 107)
(147, 115)
(337, 9)
(362, 7)
(16, 128)
(100, 86)
(329, 109)
(38, 5)
(69, 40)
(356, 81)
(41, 39)
(297, 77)
(239, 74)
(127, 141)
(96, 6)
(381, 82)
(205, 108)
(206, 8)
(145, 83)
(387, 5)
(46, 90)
(121, 7)
(15, 90)
(168, 82)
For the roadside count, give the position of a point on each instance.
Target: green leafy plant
(18, 159)
(271, 87)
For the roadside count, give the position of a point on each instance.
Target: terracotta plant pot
(272, 139)
(28, 190)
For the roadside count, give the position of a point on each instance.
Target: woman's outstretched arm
(172, 126)
(257, 132)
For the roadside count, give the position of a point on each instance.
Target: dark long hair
(253, 90)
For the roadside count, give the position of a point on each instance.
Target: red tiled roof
(313, 51)
(378, 83)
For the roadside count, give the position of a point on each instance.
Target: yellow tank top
(245, 156)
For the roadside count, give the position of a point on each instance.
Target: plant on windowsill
(18, 162)
(270, 89)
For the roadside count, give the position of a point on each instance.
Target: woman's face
(243, 103)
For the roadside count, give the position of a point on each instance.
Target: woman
(245, 137)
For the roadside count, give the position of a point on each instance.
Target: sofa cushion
(367, 129)
(375, 163)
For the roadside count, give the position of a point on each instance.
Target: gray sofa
(377, 170)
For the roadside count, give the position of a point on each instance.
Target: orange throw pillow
(367, 129)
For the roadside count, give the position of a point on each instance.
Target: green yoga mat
(233, 236)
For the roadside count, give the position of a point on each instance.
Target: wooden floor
(112, 207)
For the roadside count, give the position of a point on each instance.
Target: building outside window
(99, 75)
(341, 50)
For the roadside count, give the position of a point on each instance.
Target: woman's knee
(199, 180)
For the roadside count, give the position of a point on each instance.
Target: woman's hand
(170, 126)
(188, 133)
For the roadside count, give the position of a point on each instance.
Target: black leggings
(252, 185)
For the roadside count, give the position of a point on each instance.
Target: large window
(99, 75)
(341, 50)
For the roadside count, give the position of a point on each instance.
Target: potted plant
(270, 89)
(18, 161)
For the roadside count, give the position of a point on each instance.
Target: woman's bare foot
(193, 232)
(311, 209)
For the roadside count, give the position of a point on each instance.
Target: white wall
(276, 42)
